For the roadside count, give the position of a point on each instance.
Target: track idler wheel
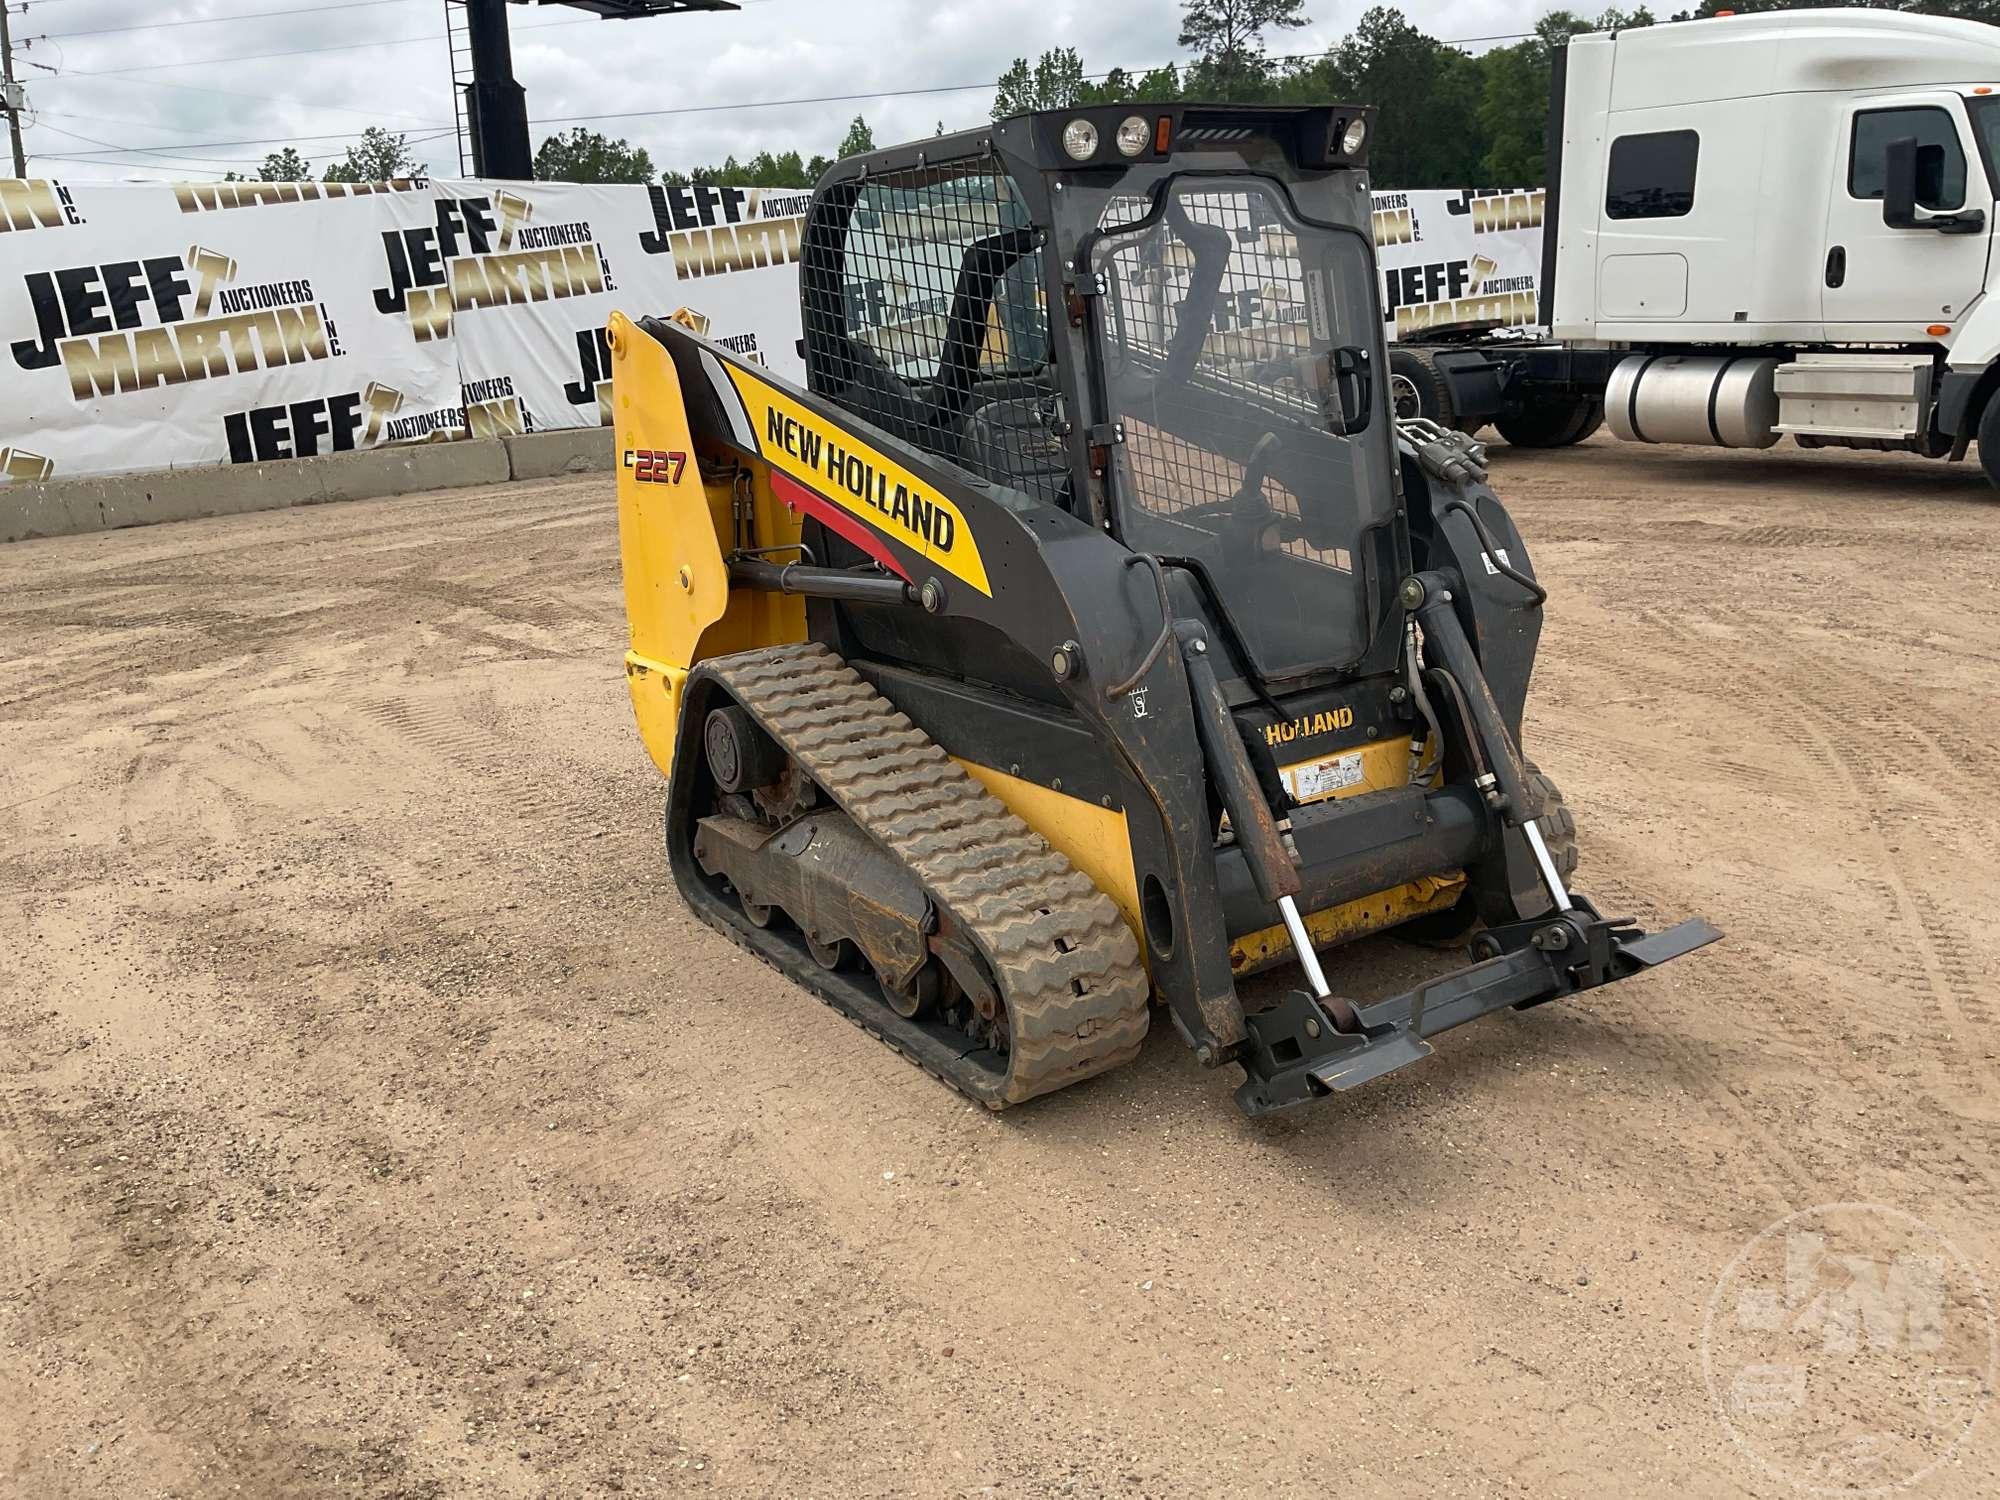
(840, 953)
(741, 756)
(919, 997)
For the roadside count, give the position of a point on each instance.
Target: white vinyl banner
(155, 325)
(529, 304)
(1454, 258)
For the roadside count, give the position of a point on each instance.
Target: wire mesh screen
(927, 318)
(1214, 294)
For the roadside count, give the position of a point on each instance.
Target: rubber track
(1067, 965)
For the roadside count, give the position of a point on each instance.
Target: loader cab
(1161, 321)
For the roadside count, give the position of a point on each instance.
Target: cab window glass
(914, 238)
(924, 314)
(1985, 114)
(1940, 156)
(1652, 175)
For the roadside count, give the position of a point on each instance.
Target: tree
(1514, 94)
(1426, 94)
(1012, 90)
(285, 166)
(769, 170)
(377, 157)
(580, 155)
(1157, 86)
(858, 141)
(1053, 83)
(1445, 118)
(766, 170)
(1228, 39)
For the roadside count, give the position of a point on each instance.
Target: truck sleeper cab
(1764, 225)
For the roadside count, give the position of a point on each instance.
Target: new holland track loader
(1087, 632)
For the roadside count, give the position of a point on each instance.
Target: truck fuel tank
(1713, 401)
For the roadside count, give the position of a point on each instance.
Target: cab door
(1884, 282)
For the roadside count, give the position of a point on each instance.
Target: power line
(126, 150)
(192, 88)
(696, 109)
(272, 140)
(943, 88)
(171, 160)
(253, 15)
(429, 36)
(206, 174)
(235, 57)
(686, 109)
(267, 140)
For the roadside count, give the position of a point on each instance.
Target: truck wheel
(1416, 389)
(1989, 439)
(1551, 423)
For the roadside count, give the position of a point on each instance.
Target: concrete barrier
(550, 455)
(67, 507)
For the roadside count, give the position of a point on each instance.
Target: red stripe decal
(835, 520)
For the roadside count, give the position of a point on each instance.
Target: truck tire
(1417, 389)
(1554, 423)
(1989, 439)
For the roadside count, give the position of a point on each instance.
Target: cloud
(386, 64)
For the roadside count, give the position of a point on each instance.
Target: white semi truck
(1757, 226)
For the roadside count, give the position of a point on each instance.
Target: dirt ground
(375, 1121)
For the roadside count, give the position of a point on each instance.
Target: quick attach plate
(1297, 1056)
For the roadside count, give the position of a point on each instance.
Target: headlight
(1354, 137)
(1080, 140)
(1134, 136)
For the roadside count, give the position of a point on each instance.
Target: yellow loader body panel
(673, 529)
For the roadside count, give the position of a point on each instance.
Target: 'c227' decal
(655, 465)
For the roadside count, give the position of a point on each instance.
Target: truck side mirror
(1899, 184)
(1913, 173)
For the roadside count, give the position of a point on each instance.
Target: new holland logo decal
(835, 470)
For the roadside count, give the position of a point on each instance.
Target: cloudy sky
(207, 86)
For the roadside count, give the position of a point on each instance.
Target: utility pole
(492, 106)
(11, 93)
(496, 104)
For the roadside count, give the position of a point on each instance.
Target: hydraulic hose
(1415, 676)
(1494, 553)
(1125, 685)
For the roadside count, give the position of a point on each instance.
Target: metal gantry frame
(489, 106)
